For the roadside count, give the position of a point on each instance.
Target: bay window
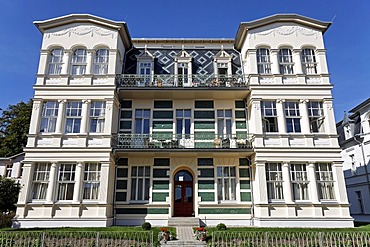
(274, 179)
(97, 116)
(55, 62)
(292, 117)
(325, 180)
(49, 116)
(73, 117)
(269, 116)
(91, 182)
(66, 181)
(299, 181)
(40, 181)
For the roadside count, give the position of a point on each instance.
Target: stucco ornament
(81, 31)
(287, 31)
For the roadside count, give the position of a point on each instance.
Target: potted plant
(164, 235)
(200, 233)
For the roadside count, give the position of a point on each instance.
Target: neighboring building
(239, 131)
(354, 139)
(11, 167)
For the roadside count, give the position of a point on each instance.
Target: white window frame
(91, 181)
(55, 61)
(97, 116)
(263, 61)
(8, 169)
(66, 181)
(325, 181)
(73, 115)
(286, 63)
(299, 180)
(292, 116)
(316, 116)
(183, 117)
(79, 61)
(40, 181)
(269, 114)
(309, 63)
(226, 183)
(143, 119)
(225, 119)
(101, 61)
(274, 180)
(49, 116)
(140, 180)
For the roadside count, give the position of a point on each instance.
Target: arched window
(263, 61)
(309, 61)
(286, 61)
(101, 62)
(79, 62)
(55, 62)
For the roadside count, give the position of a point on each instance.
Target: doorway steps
(183, 221)
(185, 237)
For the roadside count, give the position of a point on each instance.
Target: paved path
(185, 233)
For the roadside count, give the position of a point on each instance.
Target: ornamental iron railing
(182, 141)
(291, 239)
(74, 239)
(182, 81)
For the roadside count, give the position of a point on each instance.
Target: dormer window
(55, 62)
(79, 62)
(183, 68)
(145, 67)
(222, 64)
(222, 68)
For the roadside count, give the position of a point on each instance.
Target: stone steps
(183, 221)
(188, 243)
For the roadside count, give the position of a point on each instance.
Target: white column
(329, 117)
(111, 120)
(275, 69)
(85, 115)
(259, 183)
(287, 185)
(60, 118)
(52, 183)
(305, 122)
(297, 62)
(66, 57)
(105, 188)
(321, 60)
(78, 183)
(113, 63)
(252, 61)
(311, 173)
(35, 118)
(26, 183)
(339, 184)
(256, 126)
(43, 63)
(280, 115)
(89, 61)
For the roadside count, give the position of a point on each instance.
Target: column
(321, 60)
(280, 115)
(252, 61)
(305, 122)
(61, 110)
(78, 183)
(259, 183)
(52, 183)
(110, 118)
(105, 183)
(311, 173)
(85, 115)
(287, 185)
(25, 182)
(43, 63)
(339, 184)
(275, 69)
(297, 62)
(329, 117)
(89, 61)
(113, 63)
(35, 118)
(256, 126)
(66, 57)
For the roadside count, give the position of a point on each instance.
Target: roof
(361, 105)
(244, 27)
(12, 157)
(75, 18)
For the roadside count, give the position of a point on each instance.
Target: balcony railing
(187, 141)
(179, 81)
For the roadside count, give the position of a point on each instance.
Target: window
(222, 69)
(91, 181)
(324, 176)
(101, 62)
(263, 61)
(226, 183)
(145, 68)
(224, 118)
(269, 116)
(299, 181)
(183, 122)
(9, 169)
(309, 61)
(142, 118)
(79, 62)
(40, 181)
(49, 116)
(360, 201)
(316, 116)
(292, 117)
(274, 179)
(66, 181)
(286, 61)
(140, 183)
(55, 62)
(97, 116)
(73, 117)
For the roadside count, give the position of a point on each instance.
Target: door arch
(183, 194)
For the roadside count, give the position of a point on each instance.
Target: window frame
(79, 62)
(231, 179)
(51, 120)
(316, 120)
(286, 64)
(75, 118)
(69, 184)
(309, 63)
(94, 183)
(101, 61)
(55, 62)
(41, 184)
(292, 117)
(263, 61)
(227, 123)
(97, 114)
(135, 183)
(183, 116)
(275, 187)
(322, 178)
(269, 120)
(299, 181)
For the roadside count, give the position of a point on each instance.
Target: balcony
(169, 141)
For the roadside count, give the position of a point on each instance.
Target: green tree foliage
(9, 190)
(14, 125)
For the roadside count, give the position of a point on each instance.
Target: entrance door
(183, 194)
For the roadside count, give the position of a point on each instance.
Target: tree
(14, 125)
(9, 190)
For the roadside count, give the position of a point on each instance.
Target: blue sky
(347, 40)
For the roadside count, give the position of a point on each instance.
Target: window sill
(139, 202)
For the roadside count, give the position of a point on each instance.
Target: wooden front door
(183, 194)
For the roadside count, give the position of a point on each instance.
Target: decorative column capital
(86, 101)
(303, 101)
(280, 101)
(62, 101)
